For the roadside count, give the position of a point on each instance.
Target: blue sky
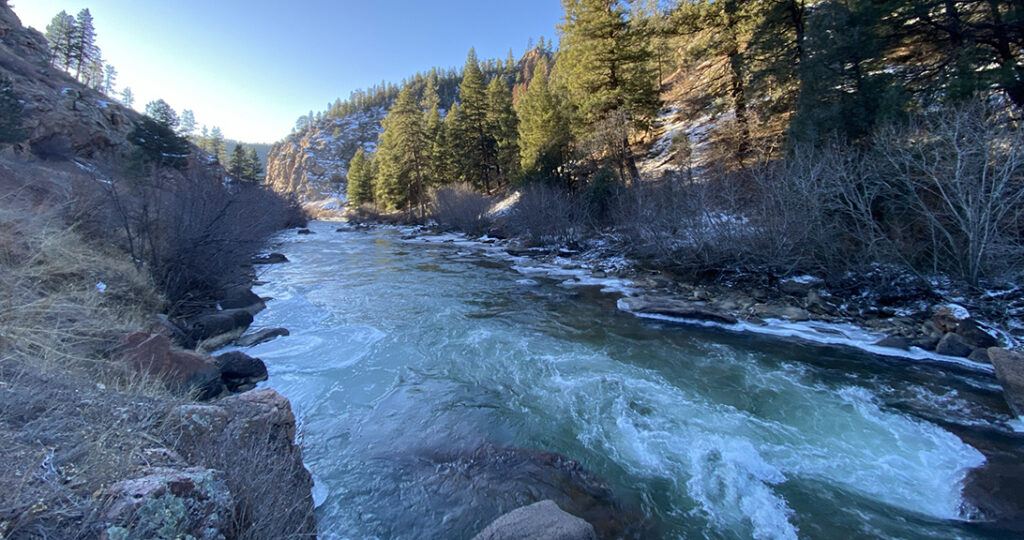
(252, 67)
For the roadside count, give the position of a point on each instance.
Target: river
(406, 357)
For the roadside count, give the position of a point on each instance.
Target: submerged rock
(896, 342)
(305, 231)
(490, 481)
(539, 521)
(1010, 372)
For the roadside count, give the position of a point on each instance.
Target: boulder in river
(272, 258)
(482, 484)
(677, 308)
(241, 297)
(543, 520)
(261, 336)
(218, 323)
(240, 372)
(975, 335)
(1010, 372)
(306, 231)
(953, 345)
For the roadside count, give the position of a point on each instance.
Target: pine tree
(163, 113)
(128, 97)
(187, 124)
(608, 71)
(238, 167)
(402, 156)
(10, 113)
(60, 35)
(217, 147)
(846, 86)
(476, 160)
(543, 127)
(254, 168)
(503, 127)
(109, 79)
(84, 49)
(434, 131)
(360, 179)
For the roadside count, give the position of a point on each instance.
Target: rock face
(1010, 372)
(539, 521)
(61, 116)
(193, 501)
(312, 164)
(182, 371)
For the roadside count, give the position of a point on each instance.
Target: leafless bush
(461, 208)
(960, 175)
(942, 193)
(193, 233)
(545, 215)
(692, 226)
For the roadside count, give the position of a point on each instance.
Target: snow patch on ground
(504, 206)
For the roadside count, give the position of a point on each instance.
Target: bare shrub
(546, 215)
(692, 226)
(193, 233)
(461, 208)
(960, 175)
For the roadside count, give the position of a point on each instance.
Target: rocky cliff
(313, 163)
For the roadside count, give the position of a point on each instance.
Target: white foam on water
(728, 461)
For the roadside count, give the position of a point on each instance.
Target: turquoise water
(403, 355)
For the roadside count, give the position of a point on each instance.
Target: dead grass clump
(63, 300)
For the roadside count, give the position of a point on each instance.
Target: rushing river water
(405, 356)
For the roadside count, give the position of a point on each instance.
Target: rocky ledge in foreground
(247, 458)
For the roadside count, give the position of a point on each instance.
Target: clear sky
(254, 66)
